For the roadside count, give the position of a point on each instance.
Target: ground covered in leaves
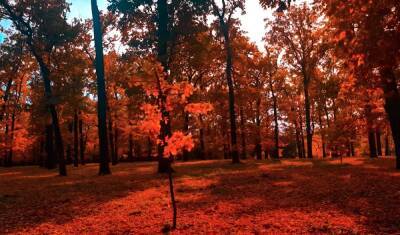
(291, 196)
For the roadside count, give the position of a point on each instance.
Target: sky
(252, 22)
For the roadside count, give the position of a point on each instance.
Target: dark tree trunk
(149, 148)
(186, 130)
(116, 137)
(111, 139)
(378, 142)
(371, 132)
(258, 149)
(76, 142)
(202, 141)
(298, 142)
(171, 190)
(104, 168)
(372, 144)
(81, 142)
(130, 148)
(50, 161)
(322, 134)
(308, 121)
(353, 153)
(303, 148)
(243, 134)
(276, 127)
(228, 71)
(392, 108)
(387, 148)
(164, 163)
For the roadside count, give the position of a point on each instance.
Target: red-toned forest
(164, 116)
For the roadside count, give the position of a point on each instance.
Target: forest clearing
(285, 197)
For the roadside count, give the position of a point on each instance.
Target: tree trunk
(186, 130)
(202, 141)
(276, 127)
(116, 137)
(164, 163)
(372, 144)
(50, 162)
(387, 148)
(308, 121)
(228, 71)
(371, 132)
(378, 142)
(392, 108)
(130, 148)
(257, 148)
(243, 134)
(172, 193)
(104, 168)
(322, 134)
(303, 148)
(81, 142)
(76, 142)
(111, 139)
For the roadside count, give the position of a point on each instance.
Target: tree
(101, 91)
(41, 40)
(300, 34)
(375, 49)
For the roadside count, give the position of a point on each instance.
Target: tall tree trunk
(228, 74)
(298, 141)
(76, 142)
(308, 120)
(258, 149)
(378, 142)
(81, 142)
(372, 144)
(322, 134)
(276, 125)
(186, 130)
(243, 134)
(162, 54)
(111, 138)
(104, 168)
(371, 131)
(130, 148)
(303, 148)
(149, 148)
(50, 162)
(202, 141)
(392, 108)
(116, 137)
(387, 148)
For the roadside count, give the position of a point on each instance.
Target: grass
(294, 196)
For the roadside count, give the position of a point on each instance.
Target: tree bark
(81, 142)
(130, 148)
(50, 162)
(378, 142)
(308, 120)
(243, 134)
(392, 108)
(104, 168)
(228, 74)
(76, 142)
(258, 149)
(162, 54)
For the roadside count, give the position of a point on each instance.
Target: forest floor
(290, 196)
